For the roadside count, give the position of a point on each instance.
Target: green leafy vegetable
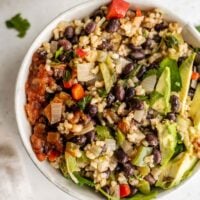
(67, 75)
(84, 102)
(120, 137)
(144, 187)
(171, 41)
(83, 181)
(103, 132)
(150, 196)
(176, 83)
(150, 72)
(107, 195)
(18, 23)
(198, 28)
(71, 166)
(154, 96)
(102, 92)
(59, 52)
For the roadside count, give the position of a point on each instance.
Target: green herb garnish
(171, 41)
(18, 23)
(84, 102)
(67, 75)
(198, 28)
(58, 52)
(102, 92)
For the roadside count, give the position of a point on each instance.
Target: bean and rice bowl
(113, 102)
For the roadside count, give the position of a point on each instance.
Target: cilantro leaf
(83, 181)
(68, 75)
(198, 28)
(171, 41)
(84, 102)
(58, 52)
(18, 23)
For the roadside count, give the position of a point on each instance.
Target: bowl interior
(77, 12)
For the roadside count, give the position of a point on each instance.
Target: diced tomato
(68, 84)
(117, 9)
(81, 53)
(195, 75)
(124, 190)
(41, 156)
(78, 91)
(52, 155)
(138, 12)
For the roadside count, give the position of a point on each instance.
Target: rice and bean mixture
(109, 104)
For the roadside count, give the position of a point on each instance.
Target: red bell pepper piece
(68, 84)
(81, 53)
(195, 75)
(138, 12)
(117, 9)
(52, 155)
(124, 190)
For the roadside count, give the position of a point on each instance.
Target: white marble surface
(12, 50)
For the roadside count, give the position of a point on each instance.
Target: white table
(12, 51)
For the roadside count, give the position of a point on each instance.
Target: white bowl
(80, 11)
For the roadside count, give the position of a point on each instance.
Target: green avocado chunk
(163, 87)
(186, 73)
(168, 139)
(194, 109)
(176, 170)
(142, 152)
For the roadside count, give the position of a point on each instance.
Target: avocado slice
(144, 187)
(163, 87)
(186, 73)
(176, 170)
(168, 139)
(142, 152)
(183, 129)
(194, 109)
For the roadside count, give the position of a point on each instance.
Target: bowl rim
(27, 57)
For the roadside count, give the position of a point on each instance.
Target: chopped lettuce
(120, 137)
(83, 181)
(144, 186)
(176, 83)
(71, 166)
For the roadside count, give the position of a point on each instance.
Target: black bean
(130, 93)
(141, 72)
(198, 68)
(110, 99)
(129, 169)
(161, 26)
(171, 116)
(191, 92)
(96, 13)
(147, 44)
(63, 58)
(127, 69)
(69, 32)
(153, 65)
(197, 59)
(136, 104)
(137, 55)
(79, 140)
(157, 156)
(90, 136)
(133, 47)
(90, 27)
(157, 38)
(105, 45)
(119, 167)
(119, 92)
(175, 104)
(92, 110)
(74, 39)
(113, 25)
(121, 156)
(66, 44)
(180, 60)
(150, 179)
(152, 140)
(134, 190)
